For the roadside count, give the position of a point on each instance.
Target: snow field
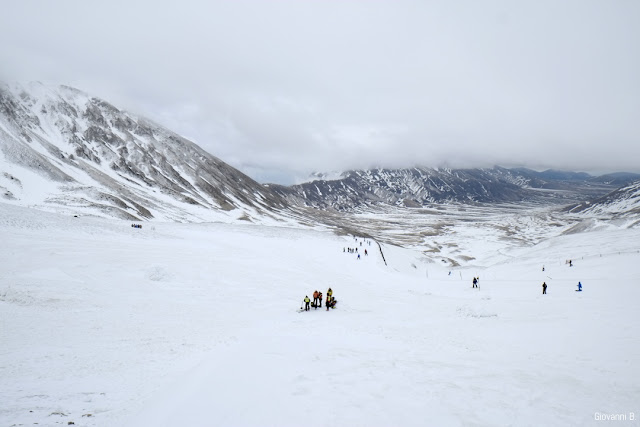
(197, 324)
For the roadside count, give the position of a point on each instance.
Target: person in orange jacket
(315, 298)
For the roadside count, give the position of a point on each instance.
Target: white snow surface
(102, 324)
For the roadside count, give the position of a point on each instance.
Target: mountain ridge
(62, 149)
(421, 186)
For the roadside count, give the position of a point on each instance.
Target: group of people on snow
(354, 251)
(317, 300)
(544, 284)
(136, 225)
(476, 281)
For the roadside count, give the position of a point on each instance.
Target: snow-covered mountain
(420, 186)
(64, 150)
(623, 202)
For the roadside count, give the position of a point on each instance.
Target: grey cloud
(282, 88)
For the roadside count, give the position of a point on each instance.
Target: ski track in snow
(102, 324)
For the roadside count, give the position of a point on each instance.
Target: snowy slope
(197, 324)
(623, 203)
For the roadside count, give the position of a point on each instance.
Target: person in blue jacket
(579, 287)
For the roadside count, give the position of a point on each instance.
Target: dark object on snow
(306, 303)
(579, 287)
(544, 288)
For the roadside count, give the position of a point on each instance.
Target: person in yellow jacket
(306, 302)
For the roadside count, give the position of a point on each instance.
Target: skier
(306, 303)
(315, 298)
(579, 287)
(475, 283)
(365, 252)
(544, 288)
(570, 263)
(320, 299)
(358, 256)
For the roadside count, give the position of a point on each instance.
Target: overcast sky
(282, 88)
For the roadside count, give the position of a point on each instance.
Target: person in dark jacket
(544, 288)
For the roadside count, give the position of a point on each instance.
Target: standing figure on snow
(365, 252)
(315, 298)
(329, 293)
(544, 288)
(475, 283)
(320, 299)
(579, 287)
(306, 303)
(570, 263)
